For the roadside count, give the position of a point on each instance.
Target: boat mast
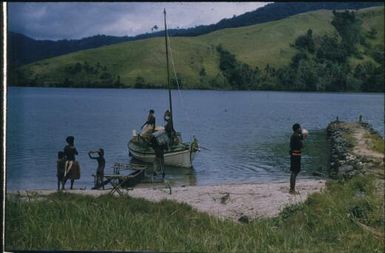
(168, 70)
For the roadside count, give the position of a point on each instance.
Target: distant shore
(231, 201)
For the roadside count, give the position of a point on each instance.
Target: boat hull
(178, 158)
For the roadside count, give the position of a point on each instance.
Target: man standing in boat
(149, 126)
(167, 117)
(296, 144)
(169, 127)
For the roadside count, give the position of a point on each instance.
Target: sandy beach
(230, 201)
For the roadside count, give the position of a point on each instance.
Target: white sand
(224, 201)
(233, 201)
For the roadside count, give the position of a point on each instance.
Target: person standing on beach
(101, 164)
(69, 152)
(60, 168)
(296, 144)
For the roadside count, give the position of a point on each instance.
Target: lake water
(245, 133)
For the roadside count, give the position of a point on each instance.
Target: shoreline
(350, 155)
(227, 201)
(348, 204)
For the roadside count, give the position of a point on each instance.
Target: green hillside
(142, 63)
(269, 43)
(373, 18)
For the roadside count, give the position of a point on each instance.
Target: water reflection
(315, 154)
(175, 176)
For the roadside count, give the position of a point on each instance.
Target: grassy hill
(142, 63)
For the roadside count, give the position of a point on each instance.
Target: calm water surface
(245, 134)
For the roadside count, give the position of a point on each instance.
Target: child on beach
(100, 169)
(60, 168)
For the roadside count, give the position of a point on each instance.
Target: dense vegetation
(316, 51)
(24, 50)
(347, 217)
(321, 63)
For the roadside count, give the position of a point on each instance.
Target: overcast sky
(77, 20)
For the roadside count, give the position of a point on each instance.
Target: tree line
(77, 75)
(321, 63)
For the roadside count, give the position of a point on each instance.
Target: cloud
(74, 20)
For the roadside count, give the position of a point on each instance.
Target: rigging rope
(190, 122)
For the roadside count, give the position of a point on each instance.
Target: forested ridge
(24, 50)
(329, 51)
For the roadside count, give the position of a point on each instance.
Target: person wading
(158, 163)
(296, 144)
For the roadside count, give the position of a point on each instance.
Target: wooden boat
(179, 153)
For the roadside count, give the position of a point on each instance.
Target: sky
(76, 20)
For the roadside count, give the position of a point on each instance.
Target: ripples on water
(246, 133)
